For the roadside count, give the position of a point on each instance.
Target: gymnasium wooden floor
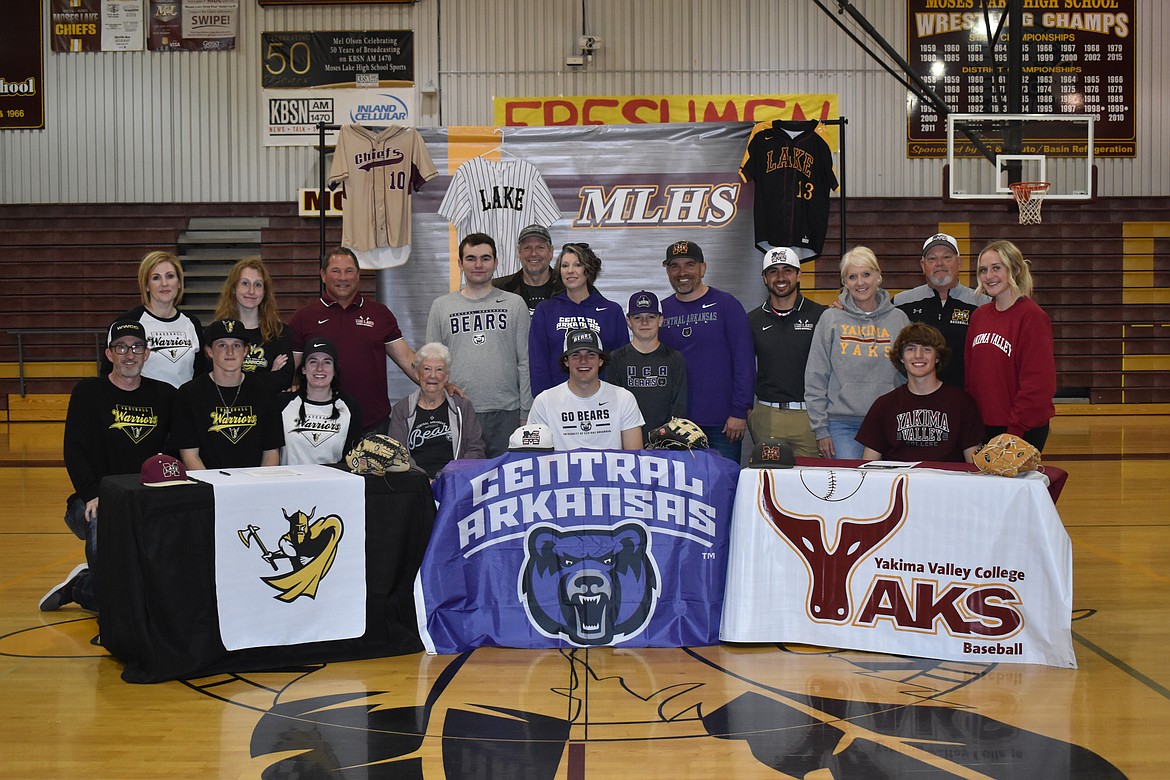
(769, 711)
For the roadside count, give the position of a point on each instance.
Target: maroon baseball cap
(163, 471)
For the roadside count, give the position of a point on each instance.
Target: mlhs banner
(581, 548)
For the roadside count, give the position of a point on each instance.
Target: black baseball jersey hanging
(792, 167)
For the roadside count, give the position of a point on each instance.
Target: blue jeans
(85, 589)
(732, 450)
(841, 431)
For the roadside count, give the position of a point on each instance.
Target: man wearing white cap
(943, 302)
(782, 332)
(584, 412)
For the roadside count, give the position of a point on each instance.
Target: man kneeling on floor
(114, 423)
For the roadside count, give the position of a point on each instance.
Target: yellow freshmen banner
(558, 111)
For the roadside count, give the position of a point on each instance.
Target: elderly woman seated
(435, 426)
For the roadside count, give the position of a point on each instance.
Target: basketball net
(1029, 195)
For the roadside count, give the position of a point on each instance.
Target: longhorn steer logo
(831, 562)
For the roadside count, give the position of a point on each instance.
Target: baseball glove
(1006, 456)
(378, 454)
(678, 434)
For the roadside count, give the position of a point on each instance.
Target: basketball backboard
(986, 152)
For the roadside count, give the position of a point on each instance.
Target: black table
(156, 580)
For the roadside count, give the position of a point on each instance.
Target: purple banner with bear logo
(578, 549)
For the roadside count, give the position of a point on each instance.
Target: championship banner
(1077, 57)
(290, 555)
(577, 549)
(956, 566)
(22, 67)
(193, 25)
(562, 111)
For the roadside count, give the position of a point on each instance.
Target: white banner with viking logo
(290, 555)
(957, 566)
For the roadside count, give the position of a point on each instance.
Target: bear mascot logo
(592, 586)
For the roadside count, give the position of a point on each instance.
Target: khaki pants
(790, 425)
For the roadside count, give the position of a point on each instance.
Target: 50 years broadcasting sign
(335, 78)
(318, 59)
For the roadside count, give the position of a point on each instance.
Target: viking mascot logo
(591, 586)
(309, 549)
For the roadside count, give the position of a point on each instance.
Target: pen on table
(226, 473)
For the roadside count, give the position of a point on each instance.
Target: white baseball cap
(531, 438)
(781, 255)
(940, 239)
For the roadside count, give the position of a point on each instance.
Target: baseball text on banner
(577, 549)
(957, 566)
(290, 555)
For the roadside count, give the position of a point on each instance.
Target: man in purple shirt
(710, 328)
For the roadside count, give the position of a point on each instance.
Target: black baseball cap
(643, 302)
(684, 249)
(122, 328)
(772, 454)
(225, 329)
(582, 338)
(320, 345)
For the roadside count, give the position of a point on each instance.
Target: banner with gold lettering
(97, 25)
(22, 67)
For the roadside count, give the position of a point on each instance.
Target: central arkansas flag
(577, 549)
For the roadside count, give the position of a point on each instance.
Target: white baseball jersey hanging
(379, 169)
(792, 167)
(500, 199)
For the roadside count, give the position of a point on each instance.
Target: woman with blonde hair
(175, 339)
(1010, 361)
(848, 365)
(248, 296)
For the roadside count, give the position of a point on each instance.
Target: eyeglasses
(122, 349)
(571, 247)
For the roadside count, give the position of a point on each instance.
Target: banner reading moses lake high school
(577, 549)
(957, 566)
(290, 555)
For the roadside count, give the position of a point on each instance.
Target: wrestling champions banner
(577, 549)
(961, 567)
(290, 555)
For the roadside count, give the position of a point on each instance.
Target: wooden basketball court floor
(742, 711)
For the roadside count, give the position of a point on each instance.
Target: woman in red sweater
(1010, 368)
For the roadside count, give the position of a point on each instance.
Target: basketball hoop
(1029, 196)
